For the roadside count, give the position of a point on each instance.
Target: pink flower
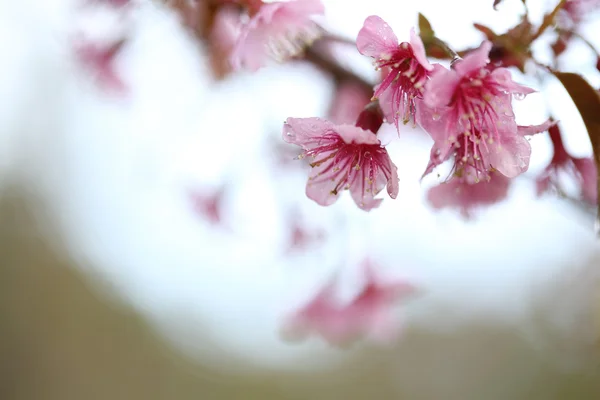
(98, 52)
(209, 204)
(279, 30)
(100, 60)
(575, 11)
(369, 313)
(582, 169)
(301, 238)
(407, 64)
(343, 157)
(464, 194)
(468, 112)
(349, 101)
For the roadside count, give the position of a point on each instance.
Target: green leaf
(425, 30)
(587, 101)
(488, 32)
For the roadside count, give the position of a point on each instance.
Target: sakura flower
(279, 30)
(101, 33)
(209, 204)
(349, 100)
(100, 60)
(575, 11)
(368, 314)
(344, 157)
(302, 237)
(468, 112)
(465, 194)
(582, 169)
(407, 65)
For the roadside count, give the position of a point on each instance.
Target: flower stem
(549, 20)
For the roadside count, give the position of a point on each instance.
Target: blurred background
(151, 243)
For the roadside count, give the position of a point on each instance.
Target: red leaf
(587, 101)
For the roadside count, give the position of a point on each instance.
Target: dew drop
(436, 117)
(519, 96)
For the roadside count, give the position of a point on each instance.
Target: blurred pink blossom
(582, 169)
(279, 30)
(368, 314)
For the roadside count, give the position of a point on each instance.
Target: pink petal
(322, 180)
(354, 134)
(350, 99)
(376, 39)
(249, 51)
(475, 60)
(533, 129)
(303, 7)
(503, 77)
(464, 196)
(436, 121)
(393, 184)
(510, 157)
(589, 178)
(304, 131)
(419, 50)
(273, 21)
(441, 87)
(368, 314)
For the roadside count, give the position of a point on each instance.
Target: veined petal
(376, 39)
(419, 50)
(475, 60)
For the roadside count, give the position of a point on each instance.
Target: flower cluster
(465, 107)
(467, 111)
(368, 313)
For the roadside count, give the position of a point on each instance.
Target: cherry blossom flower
(467, 111)
(100, 37)
(279, 30)
(349, 101)
(343, 157)
(575, 11)
(368, 314)
(582, 169)
(407, 64)
(465, 194)
(209, 204)
(100, 60)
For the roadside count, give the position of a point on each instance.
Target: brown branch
(326, 62)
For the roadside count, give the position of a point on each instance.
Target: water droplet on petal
(519, 96)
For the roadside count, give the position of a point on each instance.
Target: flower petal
(464, 196)
(356, 135)
(503, 77)
(475, 60)
(533, 129)
(304, 131)
(589, 178)
(419, 50)
(376, 39)
(441, 87)
(510, 157)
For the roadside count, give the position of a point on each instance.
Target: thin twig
(315, 55)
